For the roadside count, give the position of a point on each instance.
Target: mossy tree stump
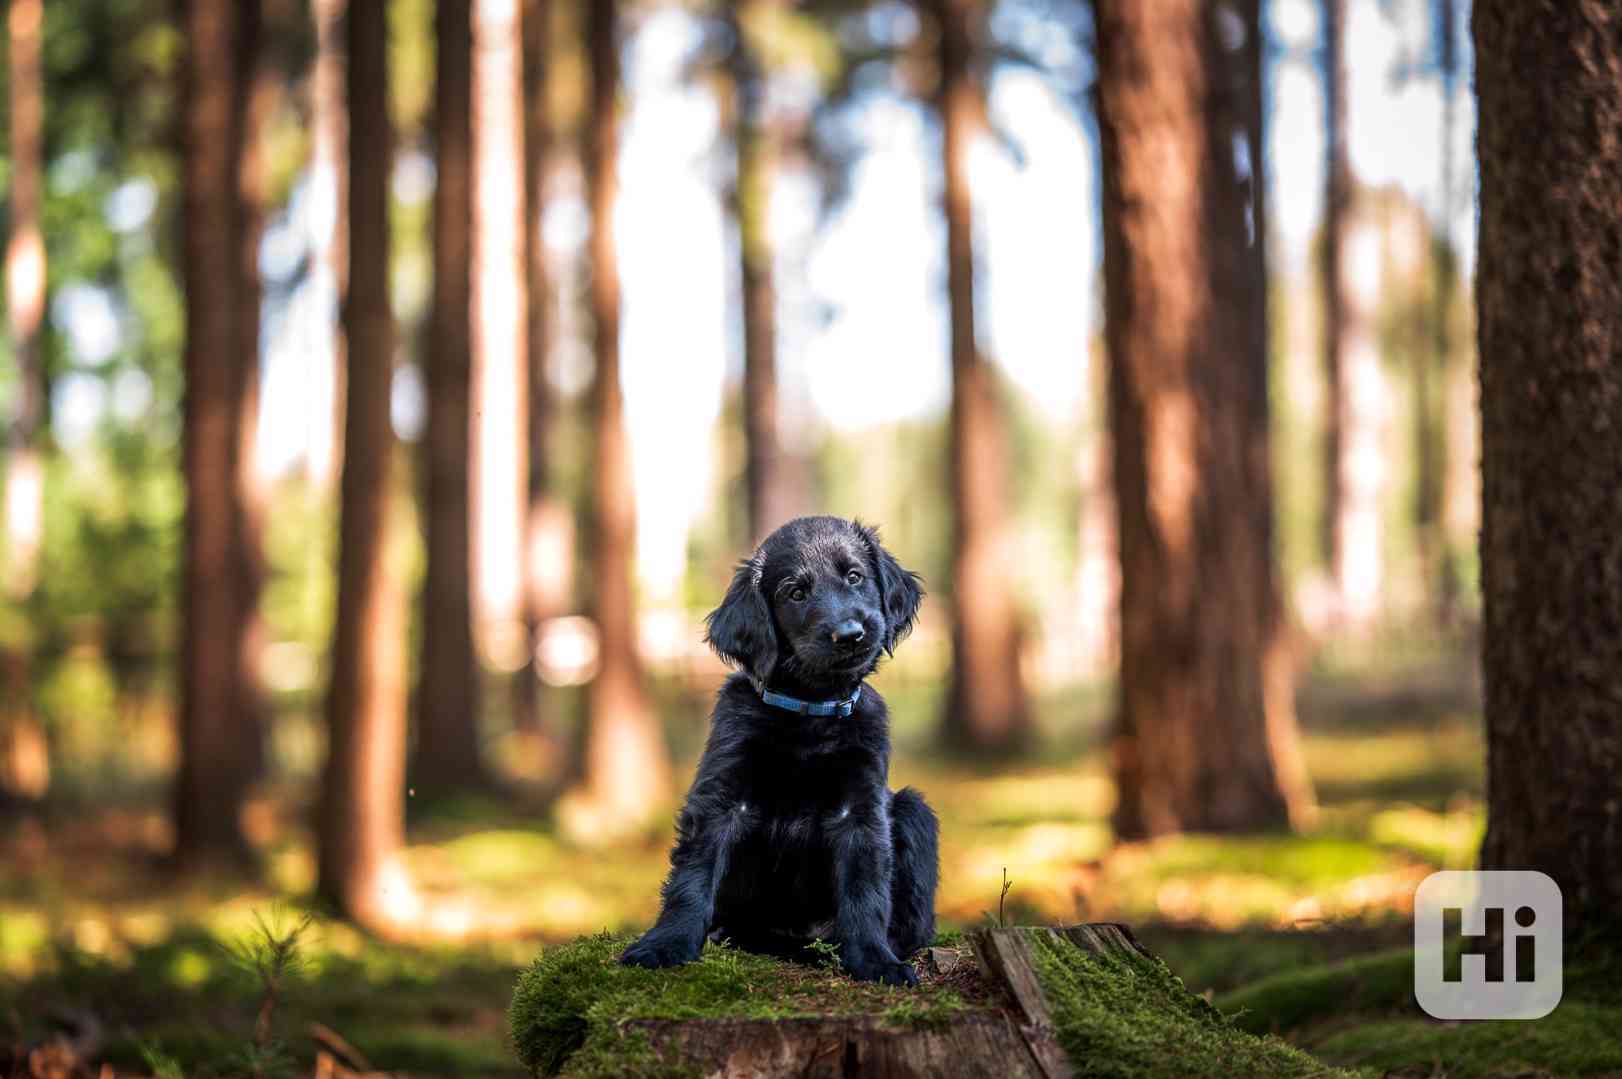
(1035, 1003)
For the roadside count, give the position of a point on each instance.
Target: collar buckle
(840, 708)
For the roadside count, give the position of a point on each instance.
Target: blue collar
(811, 708)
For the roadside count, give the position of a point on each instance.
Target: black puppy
(791, 833)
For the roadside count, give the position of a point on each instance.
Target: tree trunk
(1098, 559)
(986, 709)
(1550, 309)
(546, 546)
(1428, 388)
(214, 769)
(447, 748)
(763, 468)
(1337, 206)
(500, 351)
(1206, 738)
(627, 767)
(1013, 1010)
(329, 167)
(1354, 398)
(256, 93)
(982, 1041)
(1439, 557)
(24, 760)
(1248, 105)
(362, 811)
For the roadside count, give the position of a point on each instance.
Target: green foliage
(1117, 1016)
(569, 1009)
(112, 546)
(827, 953)
(159, 1063)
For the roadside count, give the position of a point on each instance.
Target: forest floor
(1304, 935)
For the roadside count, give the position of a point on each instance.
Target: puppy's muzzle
(849, 634)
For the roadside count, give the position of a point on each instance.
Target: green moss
(425, 1050)
(1120, 1016)
(570, 1007)
(1289, 1001)
(426, 1011)
(1220, 962)
(625, 1051)
(1577, 1038)
(1306, 861)
(575, 1011)
(1361, 1013)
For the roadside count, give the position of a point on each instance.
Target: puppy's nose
(849, 631)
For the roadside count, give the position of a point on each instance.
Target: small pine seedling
(271, 956)
(1002, 919)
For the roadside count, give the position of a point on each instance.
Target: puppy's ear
(740, 630)
(900, 590)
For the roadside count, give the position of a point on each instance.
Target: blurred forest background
(390, 389)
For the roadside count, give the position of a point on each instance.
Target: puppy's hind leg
(915, 834)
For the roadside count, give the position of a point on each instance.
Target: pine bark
(214, 764)
(24, 758)
(362, 810)
(1098, 559)
(545, 560)
(1206, 736)
(329, 166)
(1337, 207)
(446, 755)
(1550, 322)
(1354, 458)
(256, 94)
(627, 768)
(986, 709)
(1439, 556)
(763, 464)
(500, 352)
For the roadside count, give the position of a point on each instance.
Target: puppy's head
(819, 601)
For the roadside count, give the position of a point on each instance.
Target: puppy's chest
(793, 796)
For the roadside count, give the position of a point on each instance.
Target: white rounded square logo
(1487, 944)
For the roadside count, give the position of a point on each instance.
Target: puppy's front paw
(884, 969)
(656, 950)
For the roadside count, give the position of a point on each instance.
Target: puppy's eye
(854, 577)
(798, 595)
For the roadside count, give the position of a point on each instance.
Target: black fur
(790, 833)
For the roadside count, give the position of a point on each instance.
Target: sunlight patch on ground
(1279, 881)
(1451, 839)
(1410, 764)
